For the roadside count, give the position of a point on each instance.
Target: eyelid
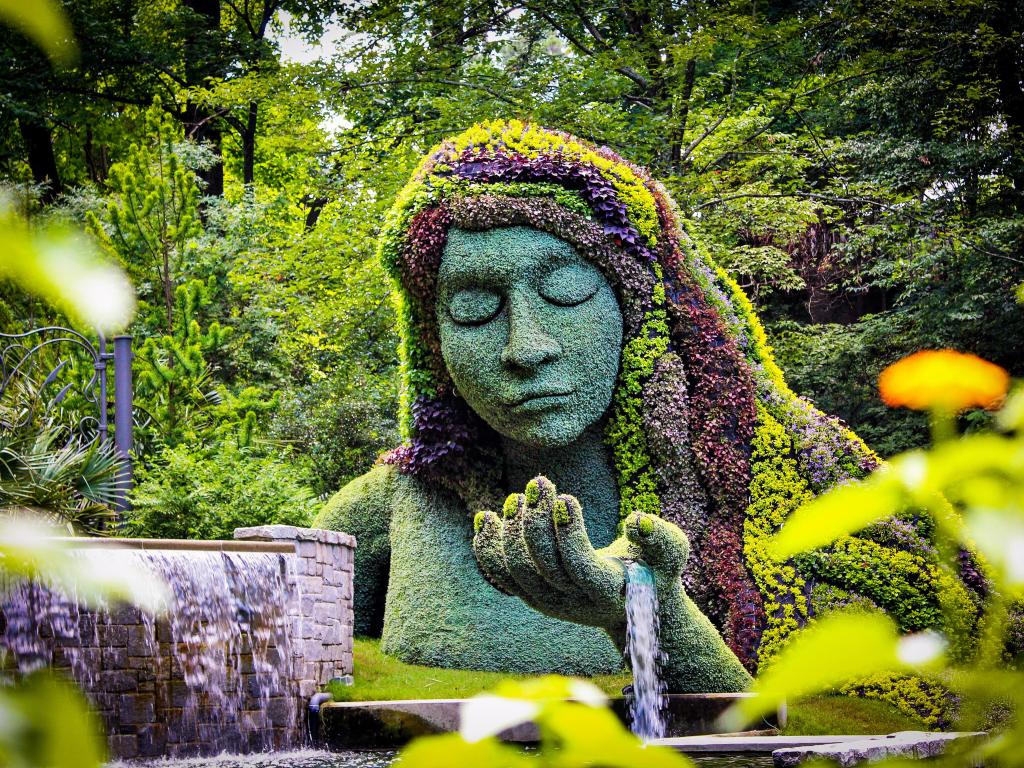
(474, 306)
(570, 286)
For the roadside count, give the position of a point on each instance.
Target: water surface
(311, 758)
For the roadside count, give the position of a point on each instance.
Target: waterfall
(648, 705)
(212, 672)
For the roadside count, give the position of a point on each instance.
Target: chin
(546, 434)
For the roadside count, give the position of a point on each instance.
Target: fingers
(538, 529)
(556, 597)
(489, 551)
(662, 545)
(521, 566)
(595, 575)
(538, 550)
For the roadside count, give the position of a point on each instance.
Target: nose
(528, 345)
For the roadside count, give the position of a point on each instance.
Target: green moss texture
(439, 610)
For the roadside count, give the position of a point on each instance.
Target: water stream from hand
(647, 709)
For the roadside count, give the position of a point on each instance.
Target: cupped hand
(538, 549)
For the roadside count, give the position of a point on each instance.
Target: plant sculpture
(564, 338)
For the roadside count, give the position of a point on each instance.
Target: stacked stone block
(137, 687)
(322, 616)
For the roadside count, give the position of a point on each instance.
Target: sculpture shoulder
(364, 508)
(367, 502)
(364, 505)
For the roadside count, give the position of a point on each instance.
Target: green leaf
(450, 749)
(63, 267)
(45, 721)
(1011, 417)
(583, 735)
(999, 535)
(575, 729)
(44, 22)
(837, 513)
(833, 650)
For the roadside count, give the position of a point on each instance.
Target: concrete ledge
(372, 724)
(868, 749)
(178, 545)
(761, 743)
(361, 724)
(294, 533)
(691, 714)
(849, 750)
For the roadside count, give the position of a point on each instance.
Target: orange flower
(943, 380)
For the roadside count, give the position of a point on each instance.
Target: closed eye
(474, 306)
(571, 285)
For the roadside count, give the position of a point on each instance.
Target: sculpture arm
(539, 550)
(363, 508)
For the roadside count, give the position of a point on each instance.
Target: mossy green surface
(530, 332)
(438, 609)
(380, 677)
(698, 427)
(543, 554)
(363, 508)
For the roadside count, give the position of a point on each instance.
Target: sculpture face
(531, 333)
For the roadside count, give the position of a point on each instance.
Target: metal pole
(123, 416)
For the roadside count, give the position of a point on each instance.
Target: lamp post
(123, 416)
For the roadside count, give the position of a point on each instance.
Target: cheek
(472, 356)
(591, 337)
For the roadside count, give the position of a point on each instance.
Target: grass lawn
(846, 715)
(379, 677)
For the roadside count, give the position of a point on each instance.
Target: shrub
(342, 422)
(207, 494)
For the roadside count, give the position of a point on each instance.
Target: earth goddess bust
(582, 386)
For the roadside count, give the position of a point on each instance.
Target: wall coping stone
(206, 545)
(294, 533)
(911, 744)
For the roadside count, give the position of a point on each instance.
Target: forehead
(502, 251)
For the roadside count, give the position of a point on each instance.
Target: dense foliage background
(856, 165)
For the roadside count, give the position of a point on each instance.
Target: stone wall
(322, 616)
(142, 674)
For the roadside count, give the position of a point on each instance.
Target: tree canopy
(856, 166)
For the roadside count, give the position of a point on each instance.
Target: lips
(534, 399)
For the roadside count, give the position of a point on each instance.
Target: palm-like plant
(66, 481)
(51, 469)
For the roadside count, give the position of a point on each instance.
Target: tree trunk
(39, 146)
(1008, 63)
(249, 144)
(200, 122)
(679, 134)
(316, 207)
(95, 161)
